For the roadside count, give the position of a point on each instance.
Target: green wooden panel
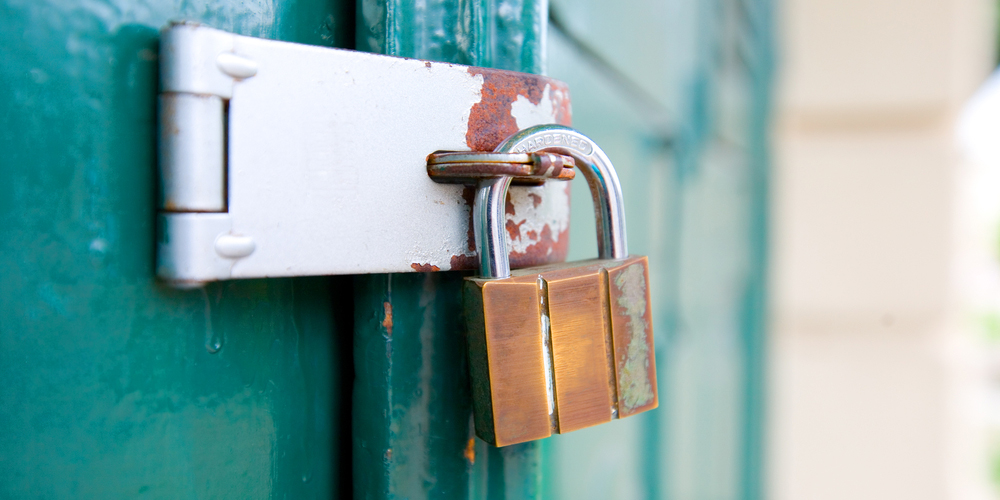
(113, 385)
(413, 434)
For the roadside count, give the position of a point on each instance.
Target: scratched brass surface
(600, 343)
(632, 331)
(506, 359)
(577, 299)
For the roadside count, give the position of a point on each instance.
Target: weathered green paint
(505, 34)
(411, 398)
(689, 141)
(413, 431)
(115, 386)
(412, 410)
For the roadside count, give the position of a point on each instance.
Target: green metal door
(114, 386)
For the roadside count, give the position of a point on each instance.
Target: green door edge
(413, 433)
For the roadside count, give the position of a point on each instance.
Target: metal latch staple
(527, 169)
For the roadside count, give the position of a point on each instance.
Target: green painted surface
(413, 431)
(412, 409)
(411, 395)
(113, 385)
(505, 34)
(687, 133)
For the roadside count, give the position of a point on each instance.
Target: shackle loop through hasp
(488, 214)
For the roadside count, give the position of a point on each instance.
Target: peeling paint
(469, 195)
(424, 268)
(537, 217)
(547, 249)
(554, 107)
(537, 225)
(530, 215)
(492, 119)
(535, 198)
(514, 229)
(634, 364)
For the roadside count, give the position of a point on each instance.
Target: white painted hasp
(324, 170)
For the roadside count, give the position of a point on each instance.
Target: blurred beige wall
(869, 389)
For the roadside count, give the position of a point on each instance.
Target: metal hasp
(279, 159)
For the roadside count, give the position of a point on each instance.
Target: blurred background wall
(678, 93)
(879, 373)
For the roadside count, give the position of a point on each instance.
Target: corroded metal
(495, 117)
(468, 167)
(537, 232)
(439, 157)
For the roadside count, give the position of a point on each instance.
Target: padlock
(562, 347)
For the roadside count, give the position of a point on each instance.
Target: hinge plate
(279, 159)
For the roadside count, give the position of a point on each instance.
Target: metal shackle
(488, 214)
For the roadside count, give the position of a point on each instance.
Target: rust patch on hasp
(514, 229)
(547, 248)
(545, 251)
(467, 261)
(424, 268)
(535, 199)
(508, 206)
(469, 196)
(564, 110)
(464, 263)
(490, 120)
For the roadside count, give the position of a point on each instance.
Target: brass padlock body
(559, 348)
